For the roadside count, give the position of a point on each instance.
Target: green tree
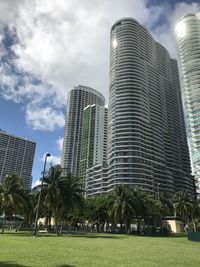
(96, 211)
(140, 203)
(51, 196)
(160, 208)
(60, 195)
(12, 200)
(29, 207)
(71, 197)
(121, 208)
(197, 215)
(184, 207)
(167, 208)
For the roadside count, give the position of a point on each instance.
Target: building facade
(16, 157)
(78, 98)
(188, 42)
(94, 137)
(147, 145)
(96, 180)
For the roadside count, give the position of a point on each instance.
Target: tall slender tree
(29, 207)
(60, 195)
(183, 207)
(121, 207)
(96, 211)
(51, 196)
(11, 197)
(140, 204)
(71, 196)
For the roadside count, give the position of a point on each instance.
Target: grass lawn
(21, 249)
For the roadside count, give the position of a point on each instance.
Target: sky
(50, 46)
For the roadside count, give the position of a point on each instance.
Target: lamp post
(38, 203)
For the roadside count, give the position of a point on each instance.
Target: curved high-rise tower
(78, 98)
(188, 40)
(147, 145)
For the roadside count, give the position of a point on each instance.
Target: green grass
(21, 249)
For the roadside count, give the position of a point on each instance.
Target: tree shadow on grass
(65, 265)
(181, 235)
(29, 234)
(66, 234)
(11, 264)
(92, 235)
(22, 234)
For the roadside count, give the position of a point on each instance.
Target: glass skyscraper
(188, 40)
(78, 98)
(94, 137)
(147, 145)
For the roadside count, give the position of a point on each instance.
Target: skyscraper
(96, 181)
(147, 145)
(94, 137)
(188, 40)
(78, 98)
(16, 156)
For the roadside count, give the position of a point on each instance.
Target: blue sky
(13, 121)
(47, 47)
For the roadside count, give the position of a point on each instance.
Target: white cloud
(44, 118)
(65, 43)
(36, 183)
(53, 159)
(61, 42)
(59, 142)
(165, 33)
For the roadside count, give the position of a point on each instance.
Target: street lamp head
(48, 155)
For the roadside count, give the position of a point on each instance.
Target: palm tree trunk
(49, 221)
(4, 223)
(10, 223)
(113, 226)
(56, 226)
(121, 226)
(97, 224)
(17, 224)
(138, 226)
(107, 225)
(188, 224)
(61, 227)
(56, 219)
(127, 225)
(194, 225)
(103, 226)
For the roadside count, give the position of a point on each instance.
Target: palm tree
(51, 194)
(197, 214)
(71, 196)
(91, 212)
(183, 207)
(160, 208)
(103, 203)
(96, 211)
(140, 204)
(29, 207)
(60, 194)
(121, 208)
(167, 207)
(11, 197)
